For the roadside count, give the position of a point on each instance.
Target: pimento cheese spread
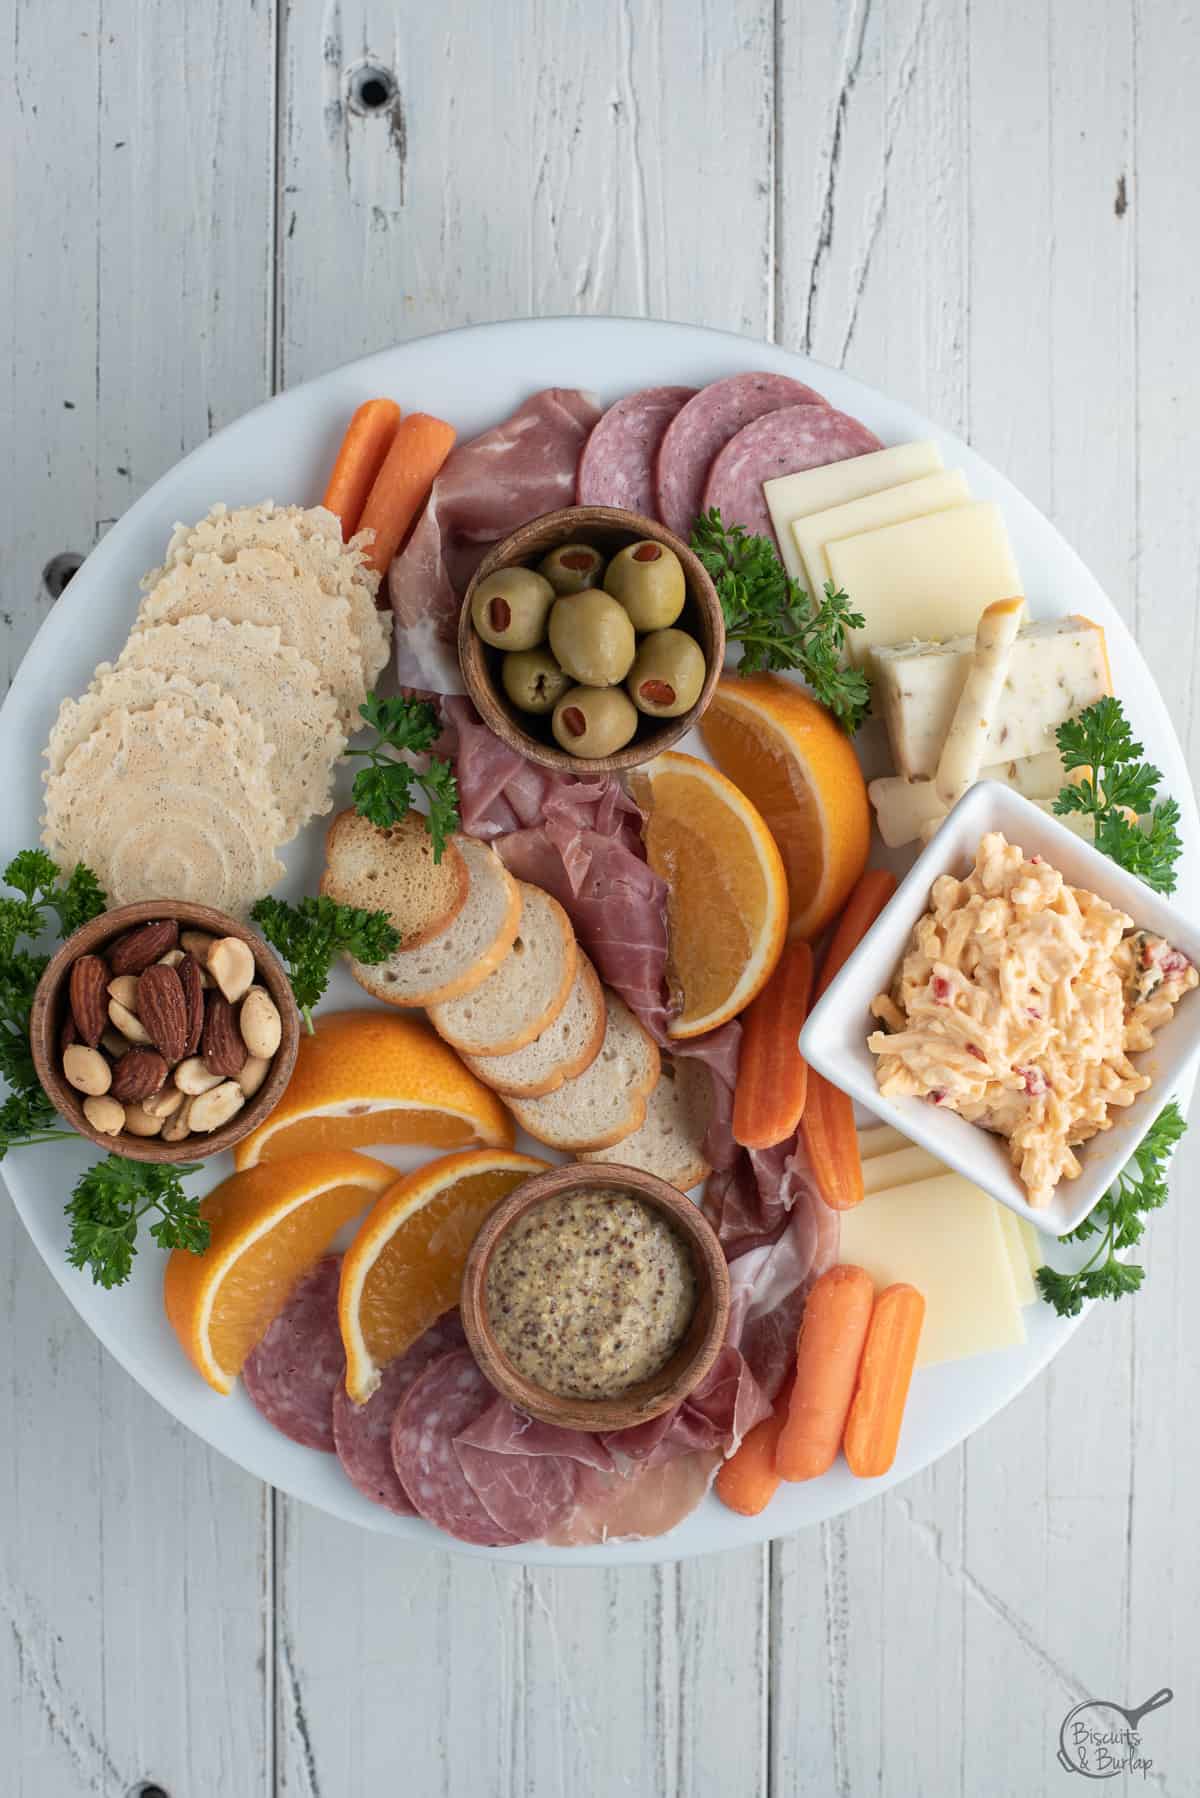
(1018, 1004)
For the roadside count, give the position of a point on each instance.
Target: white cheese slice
(903, 807)
(901, 1167)
(895, 505)
(928, 578)
(880, 1139)
(1014, 1241)
(1057, 667)
(792, 496)
(943, 1236)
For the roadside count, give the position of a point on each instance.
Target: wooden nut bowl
(49, 1009)
(689, 1364)
(608, 528)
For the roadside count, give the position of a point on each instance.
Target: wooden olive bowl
(661, 1391)
(52, 999)
(608, 529)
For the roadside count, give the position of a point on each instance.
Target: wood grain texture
(982, 209)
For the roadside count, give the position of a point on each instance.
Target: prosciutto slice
(525, 1473)
(487, 487)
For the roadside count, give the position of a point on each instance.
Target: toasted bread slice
(526, 992)
(607, 1102)
(462, 956)
(564, 1049)
(670, 1141)
(394, 871)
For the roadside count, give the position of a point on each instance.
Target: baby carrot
(832, 1332)
(772, 1075)
(864, 905)
(877, 1408)
(748, 1481)
(418, 449)
(367, 441)
(831, 1141)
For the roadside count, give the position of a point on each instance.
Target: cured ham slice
(486, 488)
(526, 1473)
(650, 1501)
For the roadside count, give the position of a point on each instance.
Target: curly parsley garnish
(1119, 1221)
(777, 624)
(383, 790)
(1133, 826)
(308, 936)
(110, 1200)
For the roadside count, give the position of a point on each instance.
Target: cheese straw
(967, 739)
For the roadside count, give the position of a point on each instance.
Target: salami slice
(780, 442)
(617, 464)
(451, 1394)
(292, 1374)
(362, 1434)
(702, 429)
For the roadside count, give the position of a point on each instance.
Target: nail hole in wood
(371, 88)
(147, 1789)
(59, 570)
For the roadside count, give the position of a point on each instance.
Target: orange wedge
(366, 1077)
(404, 1268)
(799, 767)
(727, 903)
(269, 1226)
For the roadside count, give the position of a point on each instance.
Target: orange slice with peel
(797, 764)
(727, 899)
(368, 1077)
(269, 1225)
(404, 1268)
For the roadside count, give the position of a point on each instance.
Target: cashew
(216, 1107)
(192, 1077)
(126, 1023)
(138, 1121)
(231, 964)
(87, 1070)
(124, 990)
(178, 1125)
(260, 1022)
(104, 1114)
(254, 1072)
(164, 1102)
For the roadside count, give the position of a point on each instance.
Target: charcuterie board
(475, 377)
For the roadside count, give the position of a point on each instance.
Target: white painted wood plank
(135, 1564)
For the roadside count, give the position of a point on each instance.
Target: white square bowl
(834, 1040)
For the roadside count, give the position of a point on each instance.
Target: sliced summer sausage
(779, 443)
(617, 464)
(362, 1434)
(702, 428)
(292, 1374)
(451, 1394)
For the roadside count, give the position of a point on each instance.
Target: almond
(261, 1025)
(89, 998)
(177, 1126)
(127, 1023)
(163, 1011)
(193, 1078)
(138, 948)
(139, 1122)
(138, 1075)
(103, 1113)
(163, 1103)
(231, 964)
(221, 1045)
(124, 989)
(214, 1108)
(253, 1074)
(87, 1070)
(197, 944)
(67, 1032)
(191, 981)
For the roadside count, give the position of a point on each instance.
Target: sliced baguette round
(465, 953)
(393, 870)
(526, 992)
(608, 1101)
(670, 1140)
(564, 1049)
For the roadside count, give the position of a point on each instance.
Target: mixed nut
(166, 1033)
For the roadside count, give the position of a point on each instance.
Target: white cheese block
(792, 496)
(1056, 668)
(943, 1236)
(895, 505)
(929, 578)
(903, 807)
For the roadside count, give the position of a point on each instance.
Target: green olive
(594, 720)
(592, 638)
(648, 580)
(667, 674)
(510, 607)
(533, 680)
(572, 567)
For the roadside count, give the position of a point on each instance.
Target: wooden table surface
(988, 209)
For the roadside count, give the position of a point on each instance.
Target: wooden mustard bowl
(51, 1003)
(660, 1391)
(608, 529)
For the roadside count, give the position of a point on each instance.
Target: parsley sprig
(35, 877)
(108, 1204)
(383, 790)
(308, 936)
(775, 621)
(1133, 826)
(1119, 1221)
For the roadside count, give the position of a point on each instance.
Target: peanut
(260, 1022)
(216, 1107)
(177, 1125)
(87, 1070)
(125, 1021)
(164, 1103)
(138, 1121)
(104, 1114)
(254, 1072)
(124, 990)
(192, 1077)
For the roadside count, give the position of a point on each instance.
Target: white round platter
(475, 377)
